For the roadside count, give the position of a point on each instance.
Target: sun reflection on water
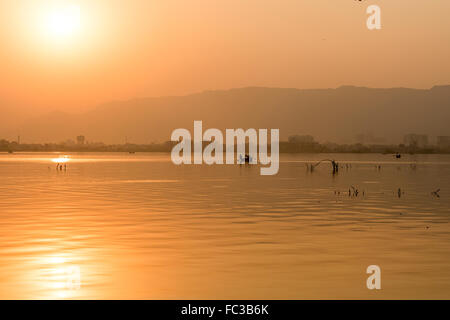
(58, 276)
(63, 159)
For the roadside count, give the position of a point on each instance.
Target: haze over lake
(137, 226)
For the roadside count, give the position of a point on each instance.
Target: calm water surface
(137, 226)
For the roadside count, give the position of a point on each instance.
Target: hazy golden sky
(124, 49)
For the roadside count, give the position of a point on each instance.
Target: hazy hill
(12, 117)
(328, 114)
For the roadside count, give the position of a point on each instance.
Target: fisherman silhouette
(245, 159)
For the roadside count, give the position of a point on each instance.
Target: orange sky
(137, 48)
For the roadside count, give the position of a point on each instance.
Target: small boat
(246, 159)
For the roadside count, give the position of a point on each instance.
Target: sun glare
(61, 159)
(62, 22)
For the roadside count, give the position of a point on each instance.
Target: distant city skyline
(410, 140)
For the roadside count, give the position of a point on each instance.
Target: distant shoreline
(285, 147)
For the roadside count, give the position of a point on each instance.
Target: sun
(62, 22)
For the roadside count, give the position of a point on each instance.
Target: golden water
(135, 226)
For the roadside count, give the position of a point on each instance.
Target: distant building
(416, 140)
(80, 140)
(443, 142)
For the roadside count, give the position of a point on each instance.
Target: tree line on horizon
(295, 144)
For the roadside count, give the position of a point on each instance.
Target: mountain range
(336, 115)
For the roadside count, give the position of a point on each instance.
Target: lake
(136, 226)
